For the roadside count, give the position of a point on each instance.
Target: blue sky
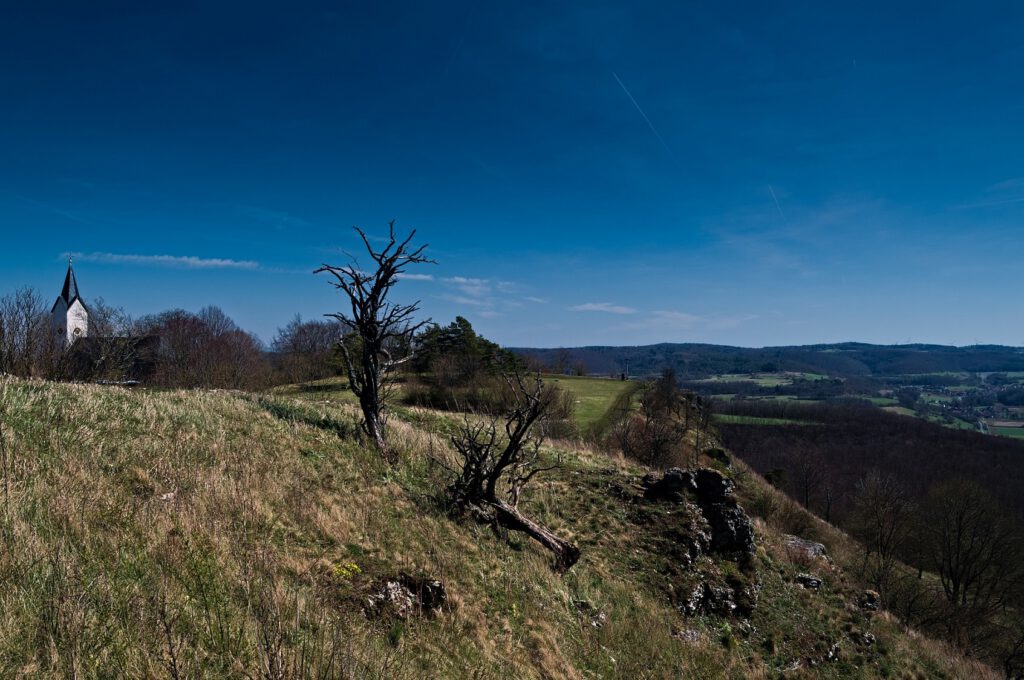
(586, 173)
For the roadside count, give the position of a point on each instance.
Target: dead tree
(378, 325)
(496, 466)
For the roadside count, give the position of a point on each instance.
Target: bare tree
(491, 460)
(808, 474)
(109, 352)
(378, 325)
(882, 520)
(656, 435)
(205, 350)
(304, 349)
(974, 547)
(26, 345)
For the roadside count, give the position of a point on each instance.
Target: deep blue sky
(591, 173)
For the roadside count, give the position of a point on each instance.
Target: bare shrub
(491, 459)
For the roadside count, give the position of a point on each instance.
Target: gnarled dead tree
(378, 325)
(495, 465)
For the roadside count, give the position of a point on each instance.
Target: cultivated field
(593, 396)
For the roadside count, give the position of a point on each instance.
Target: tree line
(175, 348)
(938, 512)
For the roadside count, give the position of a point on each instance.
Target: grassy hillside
(222, 534)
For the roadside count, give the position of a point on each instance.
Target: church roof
(70, 291)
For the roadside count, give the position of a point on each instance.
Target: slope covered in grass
(220, 534)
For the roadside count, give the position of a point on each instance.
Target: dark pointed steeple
(70, 291)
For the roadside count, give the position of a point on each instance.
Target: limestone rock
(809, 549)
(808, 581)
(406, 596)
(712, 486)
(672, 486)
(731, 528)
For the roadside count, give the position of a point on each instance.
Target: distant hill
(843, 360)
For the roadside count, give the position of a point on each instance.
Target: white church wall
(77, 322)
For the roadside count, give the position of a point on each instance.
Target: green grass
(327, 390)
(1015, 432)
(764, 379)
(752, 420)
(225, 535)
(900, 410)
(784, 397)
(593, 396)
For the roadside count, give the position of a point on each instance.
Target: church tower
(69, 316)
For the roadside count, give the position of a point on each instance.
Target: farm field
(1015, 432)
(956, 423)
(763, 379)
(901, 410)
(752, 420)
(785, 397)
(594, 396)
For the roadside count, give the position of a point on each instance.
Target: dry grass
(198, 534)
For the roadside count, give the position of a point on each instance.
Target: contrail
(776, 199)
(649, 123)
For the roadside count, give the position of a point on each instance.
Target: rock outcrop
(405, 596)
(694, 515)
(732, 532)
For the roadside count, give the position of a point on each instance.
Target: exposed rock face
(709, 599)
(692, 536)
(673, 485)
(808, 581)
(809, 549)
(704, 518)
(731, 528)
(713, 487)
(407, 596)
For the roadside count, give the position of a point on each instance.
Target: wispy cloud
(539, 301)
(182, 261)
(463, 300)
(1011, 184)
(1006, 192)
(609, 307)
(469, 286)
(416, 277)
(674, 321)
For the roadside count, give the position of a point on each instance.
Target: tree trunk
(375, 429)
(566, 554)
